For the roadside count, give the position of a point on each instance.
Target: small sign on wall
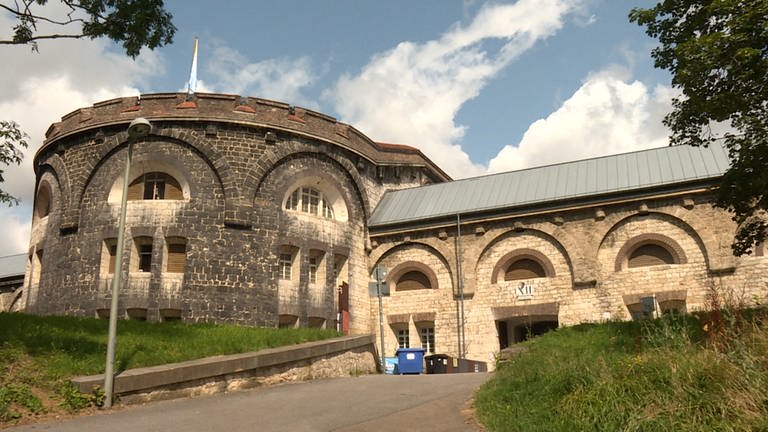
(524, 291)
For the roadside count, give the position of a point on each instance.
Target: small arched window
(155, 186)
(650, 254)
(43, 202)
(524, 268)
(309, 200)
(413, 280)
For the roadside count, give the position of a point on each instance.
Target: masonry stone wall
(584, 250)
(236, 161)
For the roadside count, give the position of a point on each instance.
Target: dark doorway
(525, 331)
(501, 327)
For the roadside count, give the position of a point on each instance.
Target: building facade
(256, 212)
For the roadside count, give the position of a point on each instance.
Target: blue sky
(478, 86)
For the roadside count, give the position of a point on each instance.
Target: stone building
(256, 212)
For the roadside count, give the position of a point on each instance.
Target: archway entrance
(520, 329)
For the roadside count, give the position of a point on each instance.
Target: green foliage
(11, 140)
(43, 352)
(73, 400)
(717, 51)
(14, 397)
(134, 23)
(665, 374)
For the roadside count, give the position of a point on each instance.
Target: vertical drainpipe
(460, 285)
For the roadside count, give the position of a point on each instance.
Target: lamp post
(138, 128)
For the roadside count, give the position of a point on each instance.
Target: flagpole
(192, 84)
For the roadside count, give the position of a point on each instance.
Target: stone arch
(58, 170)
(529, 231)
(145, 163)
(615, 221)
(376, 260)
(523, 253)
(665, 240)
(279, 154)
(678, 254)
(404, 267)
(114, 149)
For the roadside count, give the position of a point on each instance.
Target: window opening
(309, 200)
(524, 268)
(177, 254)
(650, 255)
(145, 258)
(413, 280)
(312, 270)
(286, 264)
(155, 186)
(427, 335)
(403, 338)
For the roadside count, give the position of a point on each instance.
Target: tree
(11, 139)
(717, 51)
(135, 23)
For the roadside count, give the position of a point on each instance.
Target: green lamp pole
(138, 128)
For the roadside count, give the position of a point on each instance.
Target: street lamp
(139, 128)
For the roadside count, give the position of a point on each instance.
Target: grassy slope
(39, 354)
(673, 374)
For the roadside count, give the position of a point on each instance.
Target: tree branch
(34, 38)
(29, 14)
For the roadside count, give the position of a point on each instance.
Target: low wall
(344, 356)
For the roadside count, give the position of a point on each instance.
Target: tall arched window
(650, 254)
(309, 200)
(155, 186)
(524, 268)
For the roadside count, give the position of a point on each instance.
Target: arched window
(155, 186)
(413, 280)
(309, 200)
(43, 202)
(650, 254)
(524, 268)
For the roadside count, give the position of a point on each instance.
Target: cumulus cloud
(608, 114)
(281, 79)
(41, 87)
(412, 93)
(15, 231)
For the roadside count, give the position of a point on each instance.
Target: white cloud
(280, 79)
(606, 115)
(15, 225)
(41, 87)
(412, 93)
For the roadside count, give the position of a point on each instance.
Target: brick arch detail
(678, 254)
(55, 165)
(259, 171)
(118, 144)
(407, 266)
(698, 235)
(376, 258)
(550, 237)
(532, 254)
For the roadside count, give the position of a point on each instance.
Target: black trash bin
(437, 363)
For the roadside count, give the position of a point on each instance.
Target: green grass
(39, 354)
(662, 375)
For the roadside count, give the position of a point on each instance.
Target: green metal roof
(622, 173)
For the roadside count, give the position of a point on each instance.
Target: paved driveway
(367, 403)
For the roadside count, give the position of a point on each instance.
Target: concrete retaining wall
(344, 356)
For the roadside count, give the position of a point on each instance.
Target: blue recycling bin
(410, 360)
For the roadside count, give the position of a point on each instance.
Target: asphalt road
(368, 403)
